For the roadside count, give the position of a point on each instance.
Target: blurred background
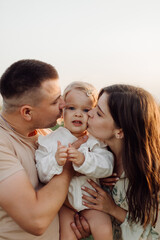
(99, 41)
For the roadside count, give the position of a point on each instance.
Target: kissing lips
(77, 123)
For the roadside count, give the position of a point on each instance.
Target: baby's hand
(61, 154)
(75, 156)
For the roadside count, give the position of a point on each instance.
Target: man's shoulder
(5, 135)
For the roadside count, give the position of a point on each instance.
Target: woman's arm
(102, 201)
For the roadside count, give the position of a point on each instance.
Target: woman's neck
(117, 151)
(118, 168)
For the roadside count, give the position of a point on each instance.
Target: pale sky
(99, 41)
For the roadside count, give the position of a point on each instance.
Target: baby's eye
(86, 110)
(71, 108)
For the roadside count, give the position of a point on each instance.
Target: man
(31, 102)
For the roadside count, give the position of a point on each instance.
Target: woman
(131, 120)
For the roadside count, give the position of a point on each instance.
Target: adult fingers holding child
(98, 199)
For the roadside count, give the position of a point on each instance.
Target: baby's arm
(75, 156)
(98, 162)
(46, 163)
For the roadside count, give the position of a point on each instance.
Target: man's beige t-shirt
(17, 154)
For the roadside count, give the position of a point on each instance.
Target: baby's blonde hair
(85, 87)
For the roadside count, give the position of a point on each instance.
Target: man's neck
(16, 123)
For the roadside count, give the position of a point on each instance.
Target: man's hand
(80, 227)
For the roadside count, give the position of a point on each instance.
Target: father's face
(50, 107)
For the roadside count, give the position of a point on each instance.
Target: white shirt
(98, 162)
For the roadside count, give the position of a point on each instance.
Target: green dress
(126, 230)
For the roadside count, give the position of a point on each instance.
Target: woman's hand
(99, 199)
(109, 181)
(102, 201)
(80, 141)
(80, 227)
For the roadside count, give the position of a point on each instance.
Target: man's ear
(26, 112)
(119, 133)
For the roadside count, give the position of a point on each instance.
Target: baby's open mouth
(77, 122)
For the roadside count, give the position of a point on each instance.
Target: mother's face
(100, 123)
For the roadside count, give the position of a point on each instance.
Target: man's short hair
(20, 83)
(25, 75)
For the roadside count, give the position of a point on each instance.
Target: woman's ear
(26, 112)
(119, 133)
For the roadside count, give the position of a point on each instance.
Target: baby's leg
(100, 224)
(66, 217)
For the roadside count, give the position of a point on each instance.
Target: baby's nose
(78, 114)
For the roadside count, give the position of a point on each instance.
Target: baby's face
(75, 113)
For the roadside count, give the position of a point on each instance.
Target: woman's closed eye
(99, 115)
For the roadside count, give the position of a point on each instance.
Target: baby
(91, 160)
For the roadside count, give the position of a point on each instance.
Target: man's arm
(32, 210)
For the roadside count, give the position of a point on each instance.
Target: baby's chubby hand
(61, 154)
(75, 156)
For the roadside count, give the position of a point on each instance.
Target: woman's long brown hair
(136, 112)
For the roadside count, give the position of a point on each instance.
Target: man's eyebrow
(100, 109)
